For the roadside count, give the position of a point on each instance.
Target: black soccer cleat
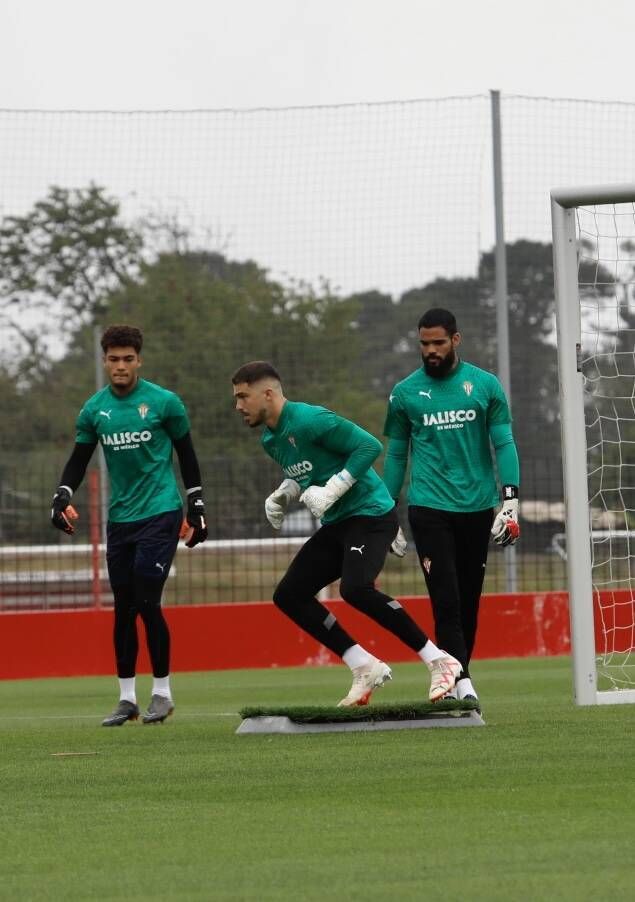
(124, 711)
(158, 709)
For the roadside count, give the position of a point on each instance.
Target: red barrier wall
(256, 634)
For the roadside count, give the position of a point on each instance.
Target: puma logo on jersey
(360, 549)
(105, 413)
(160, 566)
(428, 394)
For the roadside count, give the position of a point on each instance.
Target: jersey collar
(129, 395)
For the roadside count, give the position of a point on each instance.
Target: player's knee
(356, 593)
(124, 600)
(282, 596)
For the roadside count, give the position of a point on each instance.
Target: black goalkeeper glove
(194, 529)
(62, 511)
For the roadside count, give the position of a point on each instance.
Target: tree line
(70, 266)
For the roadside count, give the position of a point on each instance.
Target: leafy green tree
(535, 397)
(58, 263)
(203, 316)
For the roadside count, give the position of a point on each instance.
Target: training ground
(537, 805)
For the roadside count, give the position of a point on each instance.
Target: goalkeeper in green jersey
(138, 425)
(445, 415)
(327, 462)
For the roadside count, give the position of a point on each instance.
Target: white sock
(356, 656)
(464, 687)
(161, 686)
(430, 652)
(127, 690)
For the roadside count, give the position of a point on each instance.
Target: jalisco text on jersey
(305, 466)
(126, 438)
(441, 417)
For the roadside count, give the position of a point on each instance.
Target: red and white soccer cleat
(444, 673)
(365, 679)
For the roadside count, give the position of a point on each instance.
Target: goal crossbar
(593, 194)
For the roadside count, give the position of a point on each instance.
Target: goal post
(594, 275)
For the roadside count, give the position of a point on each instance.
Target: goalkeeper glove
(506, 530)
(399, 544)
(194, 529)
(277, 503)
(62, 511)
(319, 498)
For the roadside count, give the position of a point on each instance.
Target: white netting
(384, 207)
(607, 295)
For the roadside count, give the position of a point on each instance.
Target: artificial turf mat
(376, 712)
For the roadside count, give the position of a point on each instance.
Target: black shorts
(353, 549)
(143, 548)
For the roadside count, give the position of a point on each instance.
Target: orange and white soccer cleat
(366, 678)
(444, 673)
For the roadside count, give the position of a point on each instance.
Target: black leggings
(139, 557)
(452, 549)
(355, 550)
(142, 598)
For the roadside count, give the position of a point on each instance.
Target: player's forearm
(507, 462)
(188, 462)
(75, 467)
(360, 448)
(395, 465)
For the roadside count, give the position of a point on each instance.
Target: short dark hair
(120, 336)
(437, 316)
(254, 372)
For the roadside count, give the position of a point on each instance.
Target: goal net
(594, 254)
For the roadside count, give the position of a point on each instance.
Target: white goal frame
(574, 444)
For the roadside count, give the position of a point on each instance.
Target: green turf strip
(331, 714)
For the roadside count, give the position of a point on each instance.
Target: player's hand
(277, 502)
(62, 511)
(506, 530)
(194, 529)
(319, 498)
(399, 544)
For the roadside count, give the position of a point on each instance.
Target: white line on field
(97, 716)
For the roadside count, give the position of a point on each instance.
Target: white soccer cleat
(365, 679)
(444, 673)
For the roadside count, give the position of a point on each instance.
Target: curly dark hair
(437, 316)
(121, 336)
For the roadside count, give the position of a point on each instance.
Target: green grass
(540, 804)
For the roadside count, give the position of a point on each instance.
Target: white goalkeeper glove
(277, 503)
(399, 544)
(506, 530)
(319, 498)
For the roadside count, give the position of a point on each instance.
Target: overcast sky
(155, 54)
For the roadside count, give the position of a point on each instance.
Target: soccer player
(327, 462)
(138, 424)
(444, 415)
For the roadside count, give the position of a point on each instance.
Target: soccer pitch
(538, 805)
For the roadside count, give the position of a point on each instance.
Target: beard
(258, 420)
(441, 367)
